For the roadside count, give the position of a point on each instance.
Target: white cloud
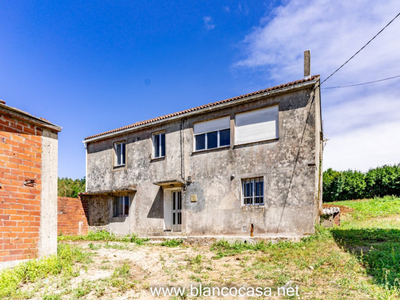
(227, 9)
(208, 23)
(361, 122)
(364, 148)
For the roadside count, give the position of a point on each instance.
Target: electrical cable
(361, 48)
(357, 84)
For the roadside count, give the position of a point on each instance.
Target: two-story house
(252, 161)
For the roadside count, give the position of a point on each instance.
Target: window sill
(120, 167)
(252, 207)
(255, 143)
(155, 159)
(210, 150)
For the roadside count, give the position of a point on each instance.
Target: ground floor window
(121, 206)
(253, 191)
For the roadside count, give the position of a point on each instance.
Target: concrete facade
(211, 181)
(28, 186)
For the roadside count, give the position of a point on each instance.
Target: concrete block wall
(20, 202)
(72, 216)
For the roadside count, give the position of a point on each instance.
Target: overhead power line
(357, 84)
(361, 48)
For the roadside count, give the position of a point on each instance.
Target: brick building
(28, 186)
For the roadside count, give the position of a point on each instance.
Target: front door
(176, 210)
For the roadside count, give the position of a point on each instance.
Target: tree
(68, 187)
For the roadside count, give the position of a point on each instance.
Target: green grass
(372, 208)
(374, 242)
(172, 243)
(359, 260)
(64, 263)
(370, 234)
(105, 236)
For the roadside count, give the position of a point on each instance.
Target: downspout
(182, 148)
(86, 155)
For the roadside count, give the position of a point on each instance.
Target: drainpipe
(182, 148)
(86, 154)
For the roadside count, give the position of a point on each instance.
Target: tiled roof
(203, 106)
(39, 121)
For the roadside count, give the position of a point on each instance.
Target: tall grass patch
(33, 270)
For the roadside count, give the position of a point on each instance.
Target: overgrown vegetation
(105, 236)
(223, 248)
(64, 263)
(359, 260)
(377, 248)
(172, 243)
(350, 184)
(68, 187)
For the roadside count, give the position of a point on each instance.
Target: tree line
(68, 187)
(349, 185)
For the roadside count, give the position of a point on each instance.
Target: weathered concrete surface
(290, 166)
(48, 210)
(208, 240)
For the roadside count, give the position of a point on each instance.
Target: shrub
(349, 185)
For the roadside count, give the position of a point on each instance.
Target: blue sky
(92, 66)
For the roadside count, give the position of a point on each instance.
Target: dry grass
(333, 264)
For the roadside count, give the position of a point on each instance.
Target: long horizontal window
(212, 134)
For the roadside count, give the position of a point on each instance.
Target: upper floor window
(159, 144)
(257, 125)
(120, 154)
(212, 134)
(253, 191)
(121, 206)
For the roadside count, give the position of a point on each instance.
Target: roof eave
(206, 109)
(24, 116)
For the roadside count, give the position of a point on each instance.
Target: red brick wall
(72, 211)
(20, 160)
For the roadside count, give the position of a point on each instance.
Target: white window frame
(211, 126)
(206, 140)
(159, 144)
(116, 201)
(253, 195)
(122, 154)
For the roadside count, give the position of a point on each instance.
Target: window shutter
(210, 126)
(257, 125)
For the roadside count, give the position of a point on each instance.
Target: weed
(194, 278)
(122, 271)
(172, 243)
(94, 247)
(52, 297)
(83, 289)
(36, 269)
(103, 235)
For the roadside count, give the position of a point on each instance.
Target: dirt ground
(149, 266)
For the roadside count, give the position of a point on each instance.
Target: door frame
(168, 226)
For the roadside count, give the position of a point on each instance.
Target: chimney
(307, 64)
